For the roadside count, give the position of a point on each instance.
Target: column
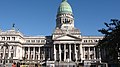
(9, 53)
(34, 53)
(59, 52)
(39, 54)
(23, 52)
(28, 53)
(4, 52)
(75, 51)
(14, 51)
(94, 53)
(89, 53)
(64, 52)
(54, 53)
(99, 55)
(81, 51)
(70, 52)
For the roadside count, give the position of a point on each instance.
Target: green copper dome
(64, 7)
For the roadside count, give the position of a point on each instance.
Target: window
(91, 48)
(42, 41)
(26, 48)
(37, 49)
(77, 46)
(38, 41)
(85, 40)
(96, 40)
(32, 56)
(6, 55)
(91, 56)
(27, 56)
(90, 41)
(0, 61)
(62, 47)
(3, 38)
(31, 48)
(57, 47)
(13, 38)
(86, 48)
(11, 55)
(8, 38)
(67, 46)
(6, 61)
(32, 40)
(1, 55)
(86, 56)
(28, 41)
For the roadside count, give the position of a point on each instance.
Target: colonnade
(33, 54)
(89, 53)
(63, 52)
(7, 54)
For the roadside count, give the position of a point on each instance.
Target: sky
(38, 17)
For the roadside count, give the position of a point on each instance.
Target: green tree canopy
(111, 41)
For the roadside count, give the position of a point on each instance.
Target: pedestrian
(14, 64)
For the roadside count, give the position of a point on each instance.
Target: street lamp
(5, 47)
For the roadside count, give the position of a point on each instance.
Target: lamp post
(5, 45)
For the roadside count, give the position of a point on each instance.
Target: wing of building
(66, 46)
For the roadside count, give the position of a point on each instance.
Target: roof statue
(64, 0)
(13, 25)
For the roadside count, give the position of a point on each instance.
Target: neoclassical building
(66, 46)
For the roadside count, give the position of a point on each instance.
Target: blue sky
(37, 17)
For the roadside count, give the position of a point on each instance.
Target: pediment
(67, 37)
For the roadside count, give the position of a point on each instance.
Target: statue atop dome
(64, 0)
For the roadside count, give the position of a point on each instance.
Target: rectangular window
(0, 61)
(11, 55)
(3, 38)
(26, 48)
(31, 48)
(1, 55)
(32, 56)
(32, 40)
(6, 55)
(91, 48)
(86, 56)
(38, 41)
(42, 41)
(13, 38)
(86, 48)
(77, 46)
(8, 38)
(37, 49)
(27, 40)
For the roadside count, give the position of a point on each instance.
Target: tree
(110, 44)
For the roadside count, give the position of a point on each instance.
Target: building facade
(66, 46)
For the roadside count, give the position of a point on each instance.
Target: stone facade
(66, 46)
